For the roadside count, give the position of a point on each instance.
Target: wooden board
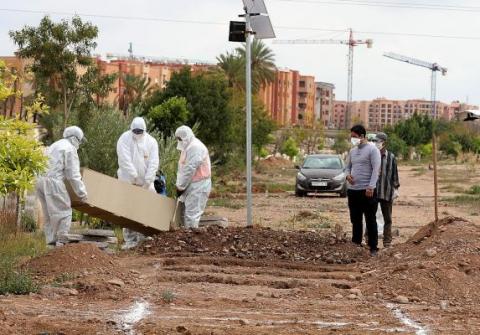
(124, 204)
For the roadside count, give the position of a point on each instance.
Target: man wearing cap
(387, 186)
(138, 163)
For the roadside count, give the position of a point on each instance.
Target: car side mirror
(297, 167)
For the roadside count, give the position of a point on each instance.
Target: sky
(163, 28)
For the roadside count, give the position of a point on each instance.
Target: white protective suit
(193, 177)
(138, 164)
(63, 165)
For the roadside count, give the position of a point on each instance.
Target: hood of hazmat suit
(63, 165)
(75, 135)
(193, 177)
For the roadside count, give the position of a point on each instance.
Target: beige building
(381, 112)
(290, 98)
(324, 103)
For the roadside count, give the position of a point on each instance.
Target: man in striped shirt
(387, 186)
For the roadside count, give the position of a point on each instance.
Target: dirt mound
(440, 262)
(256, 244)
(71, 259)
(275, 163)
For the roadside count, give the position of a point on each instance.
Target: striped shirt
(388, 180)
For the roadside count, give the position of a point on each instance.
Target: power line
(183, 21)
(405, 5)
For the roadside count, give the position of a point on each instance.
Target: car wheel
(299, 193)
(343, 192)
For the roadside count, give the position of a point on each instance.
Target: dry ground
(233, 282)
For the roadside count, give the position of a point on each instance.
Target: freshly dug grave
(72, 259)
(440, 262)
(257, 244)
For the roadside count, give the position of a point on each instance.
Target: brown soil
(71, 259)
(439, 262)
(270, 281)
(257, 244)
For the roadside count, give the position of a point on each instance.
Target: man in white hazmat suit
(63, 165)
(193, 177)
(138, 163)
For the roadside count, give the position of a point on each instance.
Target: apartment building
(381, 112)
(324, 103)
(290, 98)
(279, 97)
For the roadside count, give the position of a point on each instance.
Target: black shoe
(373, 253)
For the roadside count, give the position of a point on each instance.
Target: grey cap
(382, 137)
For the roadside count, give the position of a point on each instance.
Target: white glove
(137, 182)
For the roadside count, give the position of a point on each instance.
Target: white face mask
(355, 141)
(180, 145)
(380, 145)
(75, 142)
(138, 137)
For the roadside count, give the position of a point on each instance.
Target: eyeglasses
(137, 131)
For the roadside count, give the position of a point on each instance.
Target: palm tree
(232, 66)
(137, 89)
(263, 63)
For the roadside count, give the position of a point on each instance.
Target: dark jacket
(388, 180)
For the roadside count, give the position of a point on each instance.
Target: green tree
(102, 131)
(450, 147)
(169, 115)
(137, 90)
(262, 124)
(6, 82)
(290, 148)
(58, 51)
(341, 144)
(426, 150)
(233, 67)
(21, 159)
(208, 101)
(263, 64)
(397, 146)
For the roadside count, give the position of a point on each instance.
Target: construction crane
(434, 67)
(351, 42)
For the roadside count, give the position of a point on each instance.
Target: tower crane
(351, 42)
(434, 67)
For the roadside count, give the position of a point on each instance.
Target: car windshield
(328, 163)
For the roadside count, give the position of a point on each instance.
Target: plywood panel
(124, 204)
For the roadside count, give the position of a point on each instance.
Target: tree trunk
(18, 214)
(65, 106)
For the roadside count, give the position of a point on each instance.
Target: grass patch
(225, 202)
(168, 296)
(474, 190)
(14, 248)
(452, 188)
(419, 171)
(465, 200)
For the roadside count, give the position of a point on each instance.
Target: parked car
(321, 174)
